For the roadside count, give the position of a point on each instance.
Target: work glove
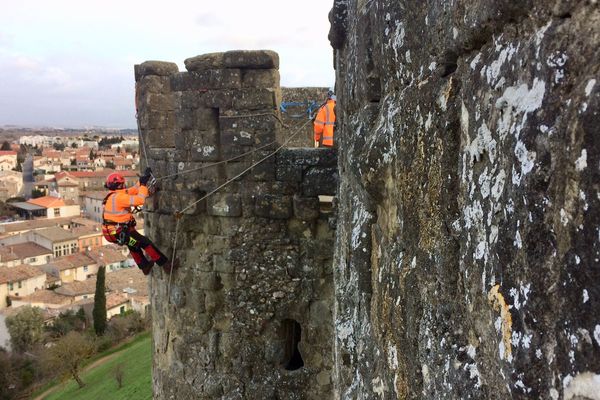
(146, 177)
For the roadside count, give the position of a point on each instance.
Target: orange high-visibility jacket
(119, 202)
(325, 123)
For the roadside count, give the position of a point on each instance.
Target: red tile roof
(8, 153)
(47, 202)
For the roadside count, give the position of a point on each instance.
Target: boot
(147, 268)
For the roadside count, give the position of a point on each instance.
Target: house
(47, 165)
(24, 253)
(95, 180)
(92, 204)
(11, 183)
(74, 267)
(78, 290)
(61, 241)
(123, 164)
(44, 299)
(88, 237)
(110, 256)
(46, 207)
(18, 281)
(117, 304)
(23, 227)
(8, 160)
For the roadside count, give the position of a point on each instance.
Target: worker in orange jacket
(119, 223)
(324, 123)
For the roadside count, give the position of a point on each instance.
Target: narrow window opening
(292, 332)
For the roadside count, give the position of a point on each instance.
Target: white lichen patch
(585, 385)
(475, 61)
(581, 162)
(586, 296)
(589, 87)
(206, 150)
(597, 334)
(379, 387)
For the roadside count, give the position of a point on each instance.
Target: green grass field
(100, 382)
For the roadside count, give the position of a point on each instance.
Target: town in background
(51, 243)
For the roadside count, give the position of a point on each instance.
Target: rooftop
(47, 202)
(115, 299)
(7, 153)
(35, 224)
(98, 195)
(19, 273)
(22, 250)
(128, 278)
(56, 234)
(46, 296)
(71, 261)
(77, 288)
(107, 255)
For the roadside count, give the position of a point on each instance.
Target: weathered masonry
(467, 261)
(248, 314)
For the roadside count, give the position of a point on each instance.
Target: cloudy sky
(69, 63)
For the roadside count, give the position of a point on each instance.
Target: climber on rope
(119, 224)
(324, 123)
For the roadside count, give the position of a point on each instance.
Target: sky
(69, 63)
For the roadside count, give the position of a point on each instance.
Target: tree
(74, 145)
(5, 146)
(58, 146)
(25, 328)
(109, 164)
(67, 355)
(99, 312)
(66, 322)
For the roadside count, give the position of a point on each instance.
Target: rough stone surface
(467, 252)
(255, 256)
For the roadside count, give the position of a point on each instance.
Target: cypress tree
(99, 312)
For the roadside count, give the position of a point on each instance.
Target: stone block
(260, 78)
(158, 102)
(251, 59)
(306, 208)
(207, 80)
(289, 173)
(259, 100)
(204, 152)
(160, 68)
(160, 138)
(204, 62)
(154, 84)
(325, 157)
(320, 181)
(235, 121)
(225, 205)
(274, 207)
(207, 280)
(264, 171)
(233, 169)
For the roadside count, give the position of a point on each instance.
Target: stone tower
(248, 313)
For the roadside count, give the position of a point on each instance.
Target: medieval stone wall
(468, 245)
(248, 313)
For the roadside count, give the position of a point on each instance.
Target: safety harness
(117, 232)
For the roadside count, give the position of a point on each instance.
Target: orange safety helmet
(115, 181)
